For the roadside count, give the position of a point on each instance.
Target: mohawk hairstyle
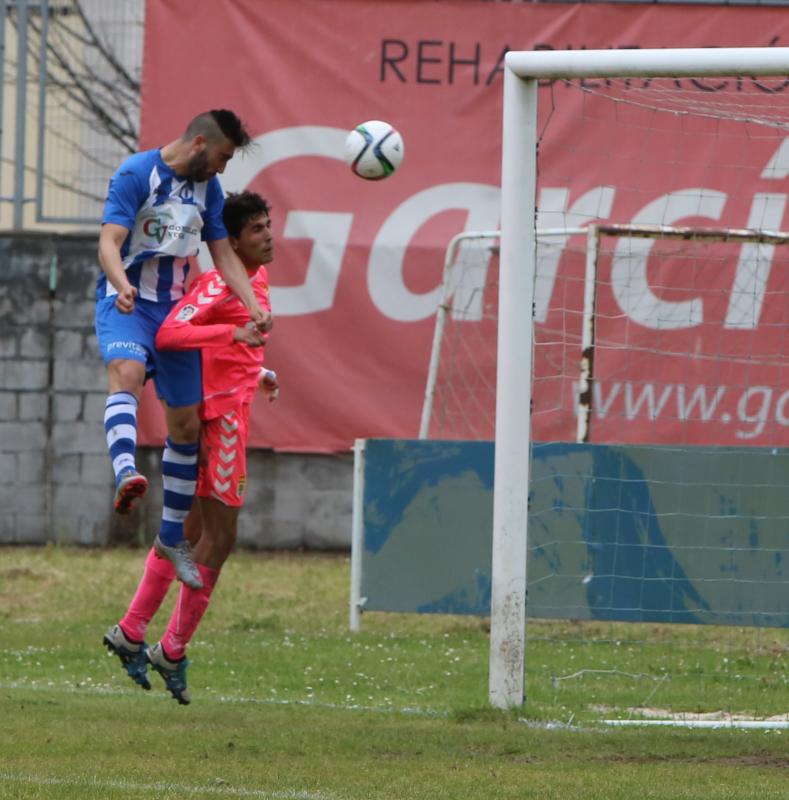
(219, 122)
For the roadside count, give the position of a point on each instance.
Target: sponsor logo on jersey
(187, 312)
(160, 226)
(242, 484)
(155, 224)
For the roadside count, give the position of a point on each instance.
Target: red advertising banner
(355, 282)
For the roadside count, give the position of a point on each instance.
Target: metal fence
(69, 100)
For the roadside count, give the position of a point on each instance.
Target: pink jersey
(206, 318)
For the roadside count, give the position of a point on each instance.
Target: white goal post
(520, 135)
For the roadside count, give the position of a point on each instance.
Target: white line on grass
(151, 789)
(221, 698)
(758, 724)
(679, 721)
(270, 701)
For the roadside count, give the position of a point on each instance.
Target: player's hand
(250, 336)
(269, 384)
(124, 302)
(264, 320)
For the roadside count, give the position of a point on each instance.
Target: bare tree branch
(92, 96)
(83, 81)
(106, 51)
(81, 90)
(60, 184)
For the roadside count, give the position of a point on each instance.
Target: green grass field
(288, 704)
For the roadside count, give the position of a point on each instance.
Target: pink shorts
(223, 457)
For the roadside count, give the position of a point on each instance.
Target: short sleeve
(125, 196)
(213, 225)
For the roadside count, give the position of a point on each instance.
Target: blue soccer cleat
(131, 654)
(173, 672)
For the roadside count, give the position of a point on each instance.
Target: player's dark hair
(218, 123)
(240, 208)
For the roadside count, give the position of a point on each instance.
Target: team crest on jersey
(187, 312)
(186, 192)
(242, 484)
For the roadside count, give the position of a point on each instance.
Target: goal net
(635, 301)
(683, 357)
(460, 391)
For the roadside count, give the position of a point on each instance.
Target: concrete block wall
(55, 475)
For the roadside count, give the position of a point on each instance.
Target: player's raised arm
(194, 322)
(234, 274)
(111, 239)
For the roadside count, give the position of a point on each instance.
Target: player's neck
(251, 271)
(173, 155)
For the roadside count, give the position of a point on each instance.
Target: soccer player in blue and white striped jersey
(160, 205)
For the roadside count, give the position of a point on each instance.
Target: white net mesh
(689, 340)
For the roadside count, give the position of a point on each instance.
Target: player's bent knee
(183, 424)
(187, 432)
(126, 375)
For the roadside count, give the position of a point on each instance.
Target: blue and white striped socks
(179, 463)
(120, 426)
(179, 472)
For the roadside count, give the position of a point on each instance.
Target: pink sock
(159, 574)
(187, 613)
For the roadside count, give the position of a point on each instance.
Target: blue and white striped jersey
(167, 217)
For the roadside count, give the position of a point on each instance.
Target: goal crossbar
(690, 233)
(648, 63)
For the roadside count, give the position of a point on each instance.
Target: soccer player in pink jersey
(210, 318)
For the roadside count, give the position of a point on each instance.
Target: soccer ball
(374, 150)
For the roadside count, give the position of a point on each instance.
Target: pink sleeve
(188, 325)
(174, 335)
